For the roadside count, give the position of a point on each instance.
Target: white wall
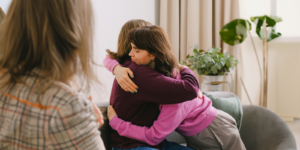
(4, 4)
(110, 15)
(289, 11)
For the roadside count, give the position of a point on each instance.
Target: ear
(152, 57)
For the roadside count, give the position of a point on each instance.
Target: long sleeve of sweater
(171, 90)
(157, 88)
(169, 119)
(109, 63)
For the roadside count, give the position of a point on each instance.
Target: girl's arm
(110, 63)
(157, 88)
(153, 84)
(168, 120)
(121, 74)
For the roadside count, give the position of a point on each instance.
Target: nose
(131, 53)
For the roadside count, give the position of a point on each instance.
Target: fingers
(124, 81)
(129, 81)
(126, 84)
(110, 112)
(200, 95)
(130, 73)
(129, 85)
(109, 108)
(126, 87)
(98, 114)
(181, 67)
(101, 116)
(90, 98)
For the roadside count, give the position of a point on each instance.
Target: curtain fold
(190, 22)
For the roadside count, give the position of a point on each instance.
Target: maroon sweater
(141, 108)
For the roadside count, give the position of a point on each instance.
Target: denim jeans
(168, 146)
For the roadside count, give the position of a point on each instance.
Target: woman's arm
(157, 88)
(110, 63)
(168, 120)
(121, 74)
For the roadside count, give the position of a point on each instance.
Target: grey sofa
(261, 129)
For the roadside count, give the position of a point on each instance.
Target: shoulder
(138, 68)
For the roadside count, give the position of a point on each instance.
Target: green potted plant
(212, 64)
(236, 31)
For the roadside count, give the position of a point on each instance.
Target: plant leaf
(196, 52)
(276, 18)
(235, 32)
(196, 46)
(217, 49)
(211, 63)
(219, 66)
(199, 71)
(214, 69)
(182, 62)
(222, 61)
(211, 50)
(192, 67)
(187, 56)
(271, 34)
(270, 23)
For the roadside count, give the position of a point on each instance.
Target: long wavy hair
(2, 14)
(52, 36)
(124, 46)
(155, 40)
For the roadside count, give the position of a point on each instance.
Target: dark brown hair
(155, 40)
(124, 46)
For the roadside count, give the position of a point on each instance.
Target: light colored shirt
(60, 118)
(188, 118)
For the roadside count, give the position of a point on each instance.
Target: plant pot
(206, 85)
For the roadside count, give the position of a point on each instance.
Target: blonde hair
(52, 36)
(124, 46)
(2, 14)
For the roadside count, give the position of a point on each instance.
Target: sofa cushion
(230, 105)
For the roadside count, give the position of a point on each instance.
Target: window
(288, 10)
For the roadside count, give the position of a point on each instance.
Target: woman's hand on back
(110, 112)
(200, 95)
(181, 67)
(97, 113)
(123, 79)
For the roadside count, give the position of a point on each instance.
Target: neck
(151, 64)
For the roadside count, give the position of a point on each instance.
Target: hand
(111, 112)
(200, 94)
(123, 80)
(181, 67)
(97, 113)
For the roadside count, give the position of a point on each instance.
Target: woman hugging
(160, 97)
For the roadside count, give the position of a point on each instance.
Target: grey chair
(261, 129)
(264, 130)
